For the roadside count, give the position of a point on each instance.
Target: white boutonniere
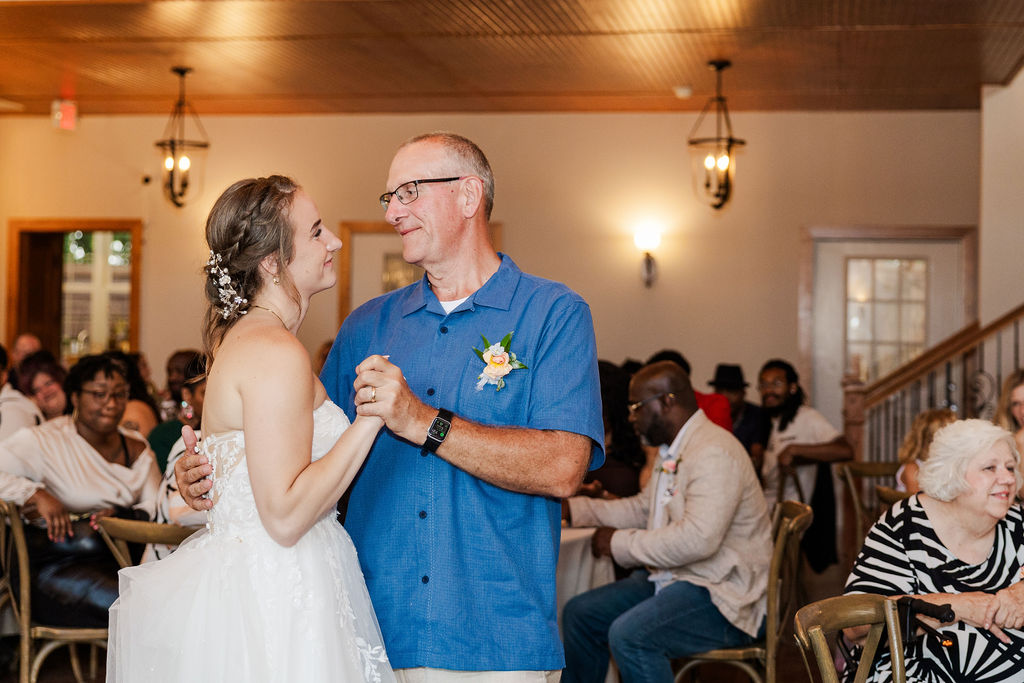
(498, 362)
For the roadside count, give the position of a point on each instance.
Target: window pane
(913, 323)
(915, 279)
(887, 279)
(887, 322)
(888, 359)
(858, 279)
(858, 322)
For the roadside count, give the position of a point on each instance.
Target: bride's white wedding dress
(232, 605)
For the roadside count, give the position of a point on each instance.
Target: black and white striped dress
(903, 556)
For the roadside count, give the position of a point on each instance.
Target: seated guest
(16, 409)
(914, 449)
(748, 422)
(141, 414)
(1010, 413)
(42, 380)
(163, 437)
(25, 344)
(65, 474)
(715, 406)
(170, 506)
(960, 541)
(176, 362)
(624, 458)
(699, 534)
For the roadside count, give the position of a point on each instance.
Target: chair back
(14, 564)
(889, 495)
(790, 520)
(816, 621)
(118, 533)
(853, 474)
(15, 584)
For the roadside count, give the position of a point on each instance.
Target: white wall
(1002, 200)
(569, 188)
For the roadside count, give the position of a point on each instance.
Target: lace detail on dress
(278, 614)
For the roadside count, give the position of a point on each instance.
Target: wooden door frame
(347, 230)
(16, 227)
(966, 235)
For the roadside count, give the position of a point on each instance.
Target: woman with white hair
(960, 541)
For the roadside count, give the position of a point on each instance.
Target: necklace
(272, 311)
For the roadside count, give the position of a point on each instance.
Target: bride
(272, 590)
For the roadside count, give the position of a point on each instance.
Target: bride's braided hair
(247, 223)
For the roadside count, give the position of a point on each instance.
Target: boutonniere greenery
(670, 468)
(498, 362)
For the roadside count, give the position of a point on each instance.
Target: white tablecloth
(578, 570)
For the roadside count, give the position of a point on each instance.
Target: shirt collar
(672, 450)
(495, 293)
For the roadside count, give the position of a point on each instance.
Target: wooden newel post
(854, 393)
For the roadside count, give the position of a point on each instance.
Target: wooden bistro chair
(889, 495)
(118, 533)
(853, 475)
(14, 554)
(790, 521)
(816, 621)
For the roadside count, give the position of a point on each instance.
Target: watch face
(439, 429)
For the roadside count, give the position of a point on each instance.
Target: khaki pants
(425, 675)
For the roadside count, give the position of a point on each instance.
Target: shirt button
(423, 514)
(425, 579)
(444, 329)
(430, 391)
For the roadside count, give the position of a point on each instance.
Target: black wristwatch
(438, 430)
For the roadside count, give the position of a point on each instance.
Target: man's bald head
(668, 377)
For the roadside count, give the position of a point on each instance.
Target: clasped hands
(380, 392)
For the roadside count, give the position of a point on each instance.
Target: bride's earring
(187, 411)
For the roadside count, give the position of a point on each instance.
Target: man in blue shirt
(487, 380)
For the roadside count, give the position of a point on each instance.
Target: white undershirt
(450, 306)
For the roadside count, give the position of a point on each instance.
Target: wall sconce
(647, 237)
(176, 145)
(712, 155)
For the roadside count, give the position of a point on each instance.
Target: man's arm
(837, 450)
(534, 461)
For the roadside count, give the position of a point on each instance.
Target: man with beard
(800, 435)
(699, 535)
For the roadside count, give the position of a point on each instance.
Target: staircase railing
(963, 373)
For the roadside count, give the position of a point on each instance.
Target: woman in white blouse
(65, 474)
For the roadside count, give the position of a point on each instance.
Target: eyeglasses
(633, 407)
(408, 192)
(120, 396)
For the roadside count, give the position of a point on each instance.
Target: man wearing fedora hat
(748, 423)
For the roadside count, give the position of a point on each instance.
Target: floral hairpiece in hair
(226, 291)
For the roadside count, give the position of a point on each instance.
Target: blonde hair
(942, 475)
(1003, 417)
(922, 431)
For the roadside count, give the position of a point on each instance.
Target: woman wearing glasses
(65, 474)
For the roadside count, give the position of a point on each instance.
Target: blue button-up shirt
(461, 572)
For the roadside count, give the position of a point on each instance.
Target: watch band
(438, 430)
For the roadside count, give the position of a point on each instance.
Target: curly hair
(1004, 418)
(943, 474)
(248, 222)
(919, 437)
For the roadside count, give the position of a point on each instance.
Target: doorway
(879, 296)
(74, 283)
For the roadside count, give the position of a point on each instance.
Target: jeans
(644, 631)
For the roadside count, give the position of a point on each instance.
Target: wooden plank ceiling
(296, 56)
